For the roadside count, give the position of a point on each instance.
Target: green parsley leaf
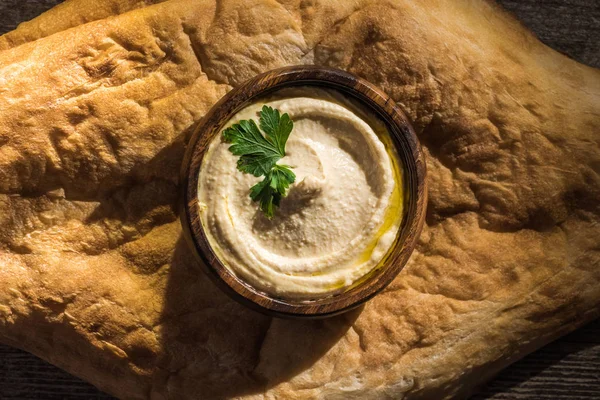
(259, 155)
(281, 179)
(265, 195)
(277, 128)
(272, 188)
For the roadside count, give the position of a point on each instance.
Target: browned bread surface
(66, 15)
(94, 275)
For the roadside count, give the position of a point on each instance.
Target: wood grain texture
(13, 12)
(403, 138)
(566, 369)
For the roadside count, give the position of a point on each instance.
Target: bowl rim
(407, 147)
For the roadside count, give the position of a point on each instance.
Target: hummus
(340, 217)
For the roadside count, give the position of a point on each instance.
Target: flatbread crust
(68, 14)
(96, 278)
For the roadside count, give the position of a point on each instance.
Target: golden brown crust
(67, 15)
(95, 277)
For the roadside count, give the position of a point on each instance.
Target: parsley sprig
(259, 155)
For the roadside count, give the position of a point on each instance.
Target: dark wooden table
(566, 369)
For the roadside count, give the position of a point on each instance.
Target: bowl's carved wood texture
(414, 186)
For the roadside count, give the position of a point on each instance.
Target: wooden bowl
(408, 149)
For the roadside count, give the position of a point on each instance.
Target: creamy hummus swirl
(340, 217)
